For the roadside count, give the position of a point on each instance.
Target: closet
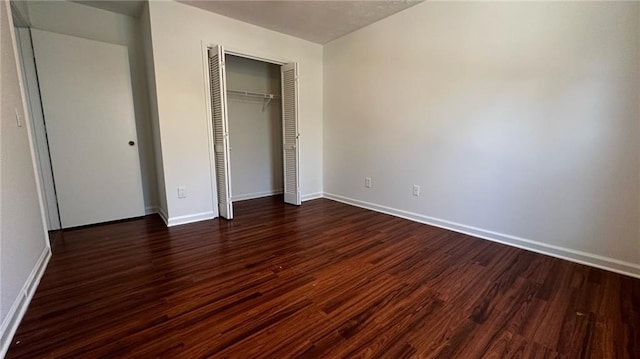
(254, 110)
(255, 128)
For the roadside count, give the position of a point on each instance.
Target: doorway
(222, 137)
(255, 128)
(88, 153)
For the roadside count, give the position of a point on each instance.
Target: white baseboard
(163, 215)
(243, 197)
(19, 306)
(310, 196)
(590, 259)
(175, 221)
(150, 210)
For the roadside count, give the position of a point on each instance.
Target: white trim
(254, 56)
(572, 255)
(175, 221)
(20, 305)
(163, 215)
(310, 196)
(243, 197)
(150, 210)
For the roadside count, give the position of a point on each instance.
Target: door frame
(234, 51)
(36, 118)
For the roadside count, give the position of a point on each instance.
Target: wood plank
(321, 280)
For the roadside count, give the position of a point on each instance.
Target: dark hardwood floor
(322, 280)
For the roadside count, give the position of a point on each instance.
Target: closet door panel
(217, 78)
(290, 134)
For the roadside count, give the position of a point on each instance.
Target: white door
(290, 134)
(88, 110)
(218, 80)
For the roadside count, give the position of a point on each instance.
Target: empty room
(319, 179)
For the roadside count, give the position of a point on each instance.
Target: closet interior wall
(255, 128)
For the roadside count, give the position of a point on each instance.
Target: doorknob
(131, 143)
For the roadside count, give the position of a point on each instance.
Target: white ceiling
(126, 7)
(316, 21)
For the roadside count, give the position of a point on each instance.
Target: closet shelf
(268, 96)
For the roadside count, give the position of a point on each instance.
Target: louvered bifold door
(220, 130)
(290, 134)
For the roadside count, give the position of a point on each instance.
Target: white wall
(179, 32)
(255, 136)
(520, 121)
(74, 19)
(147, 50)
(24, 246)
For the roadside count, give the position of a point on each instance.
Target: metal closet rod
(254, 94)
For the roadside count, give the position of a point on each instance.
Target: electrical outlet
(416, 190)
(182, 192)
(367, 182)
